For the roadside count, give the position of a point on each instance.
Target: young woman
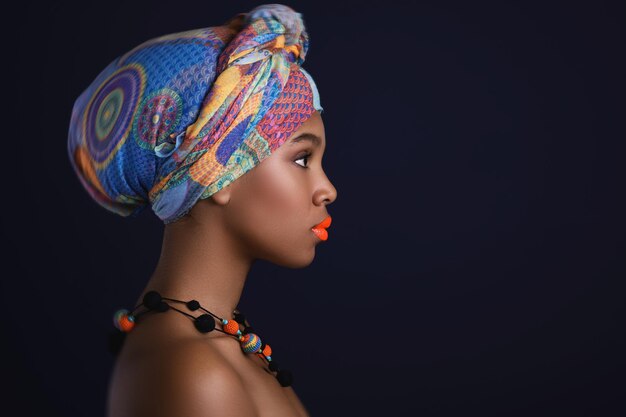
(174, 124)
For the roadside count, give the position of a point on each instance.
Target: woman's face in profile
(274, 205)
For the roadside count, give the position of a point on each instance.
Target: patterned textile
(183, 115)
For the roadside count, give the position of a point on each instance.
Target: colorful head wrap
(181, 116)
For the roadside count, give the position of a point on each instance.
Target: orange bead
(126, 325)
(231, 327)
(267, 351)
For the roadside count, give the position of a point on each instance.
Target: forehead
(306, 137)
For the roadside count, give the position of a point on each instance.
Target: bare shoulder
(189, 378)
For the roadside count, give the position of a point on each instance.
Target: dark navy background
(476, 260)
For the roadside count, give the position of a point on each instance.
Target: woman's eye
(307, 156)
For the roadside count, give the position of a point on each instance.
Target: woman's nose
(328, 192)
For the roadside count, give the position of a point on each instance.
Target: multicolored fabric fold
(181, 116)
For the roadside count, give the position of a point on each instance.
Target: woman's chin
(298, 260)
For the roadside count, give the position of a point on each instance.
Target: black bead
(273, 365)
(193, 305)
(248, 329)
(163, 307)
(284, 377)
(151, 300)
(240, 318)
(205, 323)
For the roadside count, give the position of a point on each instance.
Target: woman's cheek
(280, 191)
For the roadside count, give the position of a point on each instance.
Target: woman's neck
(200, 263)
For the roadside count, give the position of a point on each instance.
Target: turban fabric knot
(181, 116)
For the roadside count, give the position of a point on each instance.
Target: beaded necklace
(125, 321)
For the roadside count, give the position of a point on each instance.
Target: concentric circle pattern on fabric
(110, 112)
(158, 116)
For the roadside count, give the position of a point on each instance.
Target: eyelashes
(305, 156)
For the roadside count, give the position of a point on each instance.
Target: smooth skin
(167, 367)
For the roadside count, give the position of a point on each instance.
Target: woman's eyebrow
(316, 140)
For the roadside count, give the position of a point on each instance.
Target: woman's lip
(320, 228)
(324, 223)
(320, 233)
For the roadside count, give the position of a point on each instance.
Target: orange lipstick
(320, 228)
